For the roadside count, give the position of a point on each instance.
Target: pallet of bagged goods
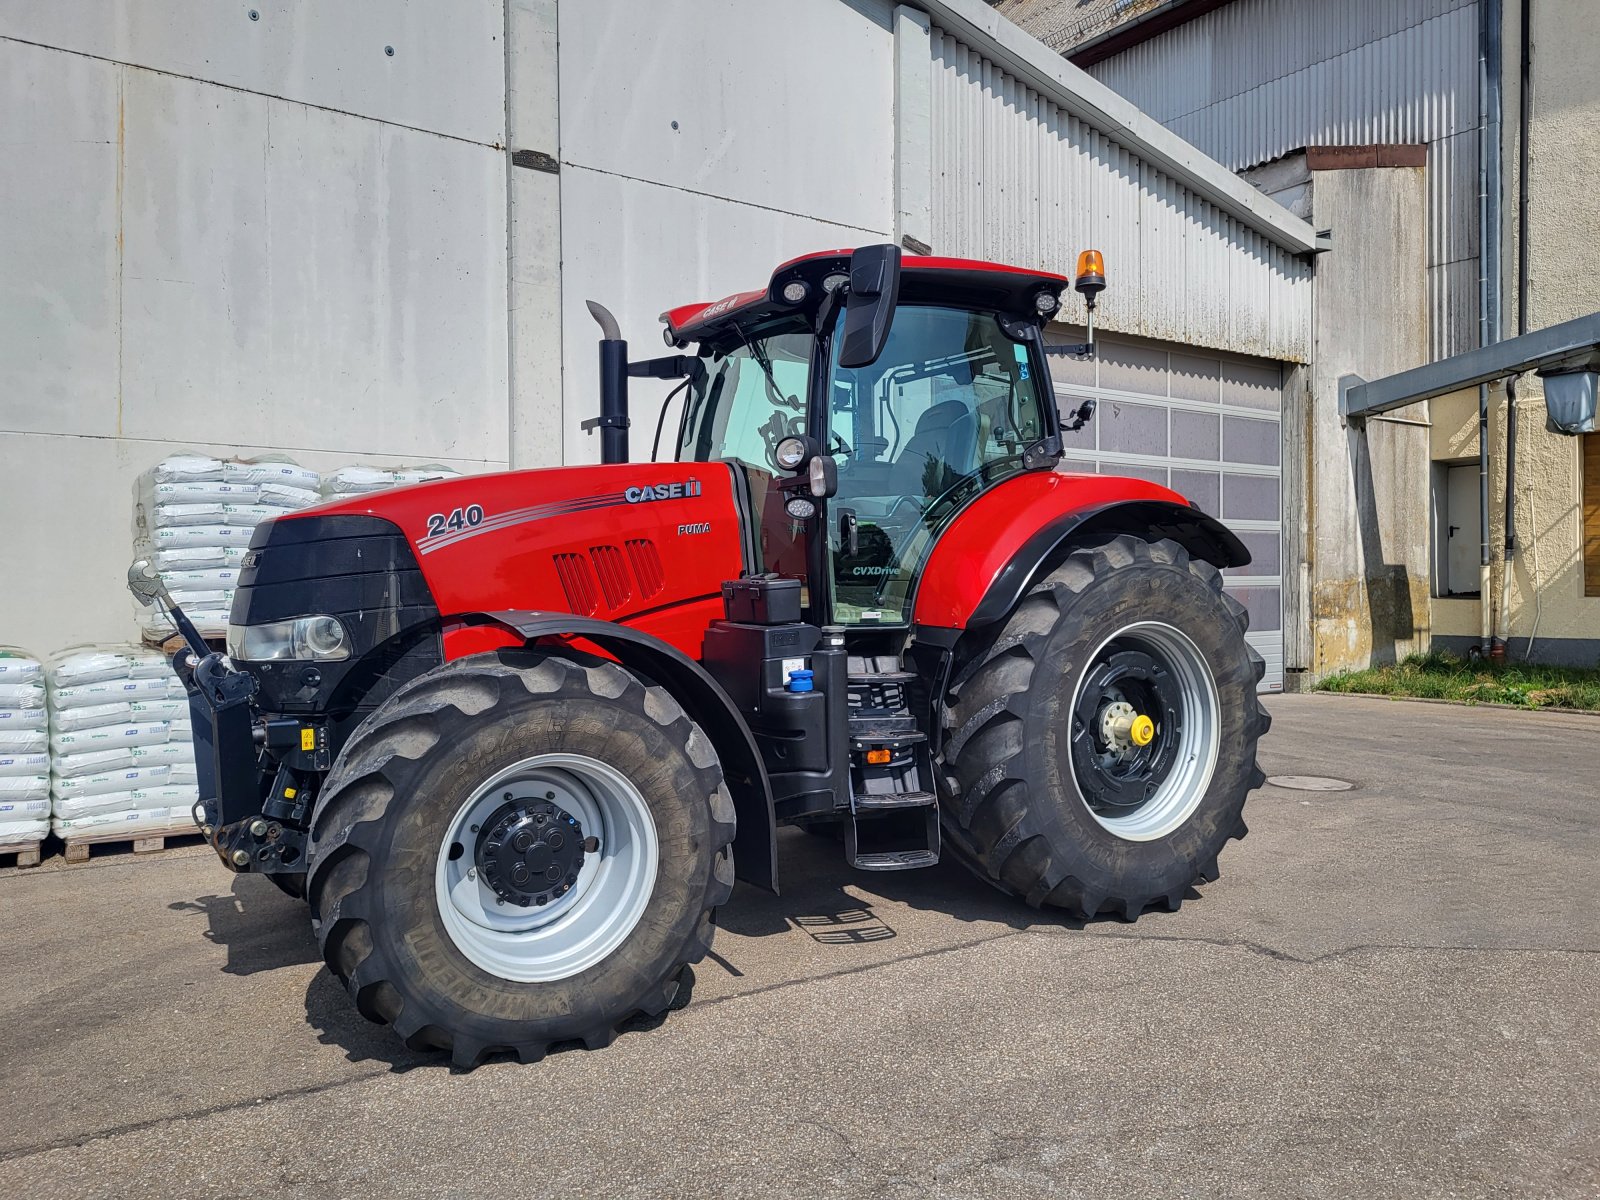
(195, 515)
(24, 757)
(121, 749)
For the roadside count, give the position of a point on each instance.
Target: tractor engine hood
(609, 542)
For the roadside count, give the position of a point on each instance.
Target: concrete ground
(1393, 991)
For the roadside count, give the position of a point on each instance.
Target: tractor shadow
(261, 929)
(834, 904)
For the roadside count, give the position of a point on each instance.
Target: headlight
(304, 639)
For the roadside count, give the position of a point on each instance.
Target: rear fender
(755, 847)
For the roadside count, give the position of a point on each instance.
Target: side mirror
(874, 288)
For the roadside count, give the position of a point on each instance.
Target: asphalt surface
(1393, 991)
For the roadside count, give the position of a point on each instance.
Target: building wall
(1257, 79)
(1368, 543)
(241, 236)
(728, 151)
(1564, 227)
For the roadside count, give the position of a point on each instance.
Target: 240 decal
(459, 519)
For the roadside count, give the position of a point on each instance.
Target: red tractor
(514, 736)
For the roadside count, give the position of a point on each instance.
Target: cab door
(948, 409)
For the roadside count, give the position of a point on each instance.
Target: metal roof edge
(1086, 98)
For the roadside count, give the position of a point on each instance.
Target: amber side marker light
(877, 758)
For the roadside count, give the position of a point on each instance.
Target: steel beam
(1572, 343)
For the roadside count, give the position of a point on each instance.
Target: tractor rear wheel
(1100, 746)
(520, 849)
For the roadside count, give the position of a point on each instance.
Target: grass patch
(1439, 676)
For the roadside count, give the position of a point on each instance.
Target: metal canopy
(1574, 345)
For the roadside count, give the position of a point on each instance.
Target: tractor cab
(913, 386)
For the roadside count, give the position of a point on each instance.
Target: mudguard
(1007, 538)
(755, 845)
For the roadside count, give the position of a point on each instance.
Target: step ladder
(894, 812)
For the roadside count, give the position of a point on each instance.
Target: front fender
(755, 845)
(1001, 543)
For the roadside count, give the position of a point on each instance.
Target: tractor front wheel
(1100, 746)
(520, 849)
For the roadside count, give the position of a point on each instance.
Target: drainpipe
(1502, 633)
(1489, 81)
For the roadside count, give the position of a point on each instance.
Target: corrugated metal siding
(1257, 79)
(1015, 179)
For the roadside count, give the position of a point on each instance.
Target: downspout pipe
(1502, 633)
(1489, 184)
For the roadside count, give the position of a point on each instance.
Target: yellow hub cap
(1142, 731)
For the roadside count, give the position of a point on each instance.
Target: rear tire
(1036, 798)
(387, 860)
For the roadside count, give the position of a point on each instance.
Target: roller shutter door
(1204, 424)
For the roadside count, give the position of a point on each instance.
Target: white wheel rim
(605, 903)
(1185, 785)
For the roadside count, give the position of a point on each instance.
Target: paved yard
(1393, 991)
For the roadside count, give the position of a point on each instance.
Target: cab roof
(923, 278)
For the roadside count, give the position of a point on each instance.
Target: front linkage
(257, 778)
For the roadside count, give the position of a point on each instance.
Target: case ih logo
(662, 491)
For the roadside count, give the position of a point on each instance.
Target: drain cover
(1309, 783)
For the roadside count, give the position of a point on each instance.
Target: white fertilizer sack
(107, 782)
(13, 765)
(14, 832)
(177, 798)
(168, 515)
(191, 558)
(283, 495)
(181, 583)
(271, 471)
(24, 787)
(126, 824)
(161, 710)
(425, 473)
(185, 536)
(210, 492)
(186, 468)
(23, 741)
(165, 754)
(93, 762)
(249, 515)
(70, 720)
(91, 664)
(359, 479)
(19, 808)
(22, 718)
(17, 667)
(21, 695)
(107, 737)
(183, 773)
(182, 730)
(110, 691)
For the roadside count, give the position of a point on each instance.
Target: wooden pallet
(78, 846)
(27, 852)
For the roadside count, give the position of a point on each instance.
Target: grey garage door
(1205, 425)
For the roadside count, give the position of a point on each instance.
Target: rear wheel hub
(530, 853)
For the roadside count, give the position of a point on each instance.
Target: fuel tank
(646, 544)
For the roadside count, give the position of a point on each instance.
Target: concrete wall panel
(699, 248)
(299, 278)
(781, 103)
(446, 73)
(59, 123)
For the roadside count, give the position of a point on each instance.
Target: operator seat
(947, 436)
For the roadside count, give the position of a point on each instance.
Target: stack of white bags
(121, 744)
(197, 514)
(24, 750)
(352, 482)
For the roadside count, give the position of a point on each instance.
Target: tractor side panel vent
(577, 581)
(646, 562)
(613, 572)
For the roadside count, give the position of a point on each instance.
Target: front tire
(1100, 747)
(420, 884)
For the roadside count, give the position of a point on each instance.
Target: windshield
(750, 398)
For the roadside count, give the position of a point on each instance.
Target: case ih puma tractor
(514, 736)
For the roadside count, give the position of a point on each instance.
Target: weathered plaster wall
(1368, 545)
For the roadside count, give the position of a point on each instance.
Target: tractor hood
(600, 541)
